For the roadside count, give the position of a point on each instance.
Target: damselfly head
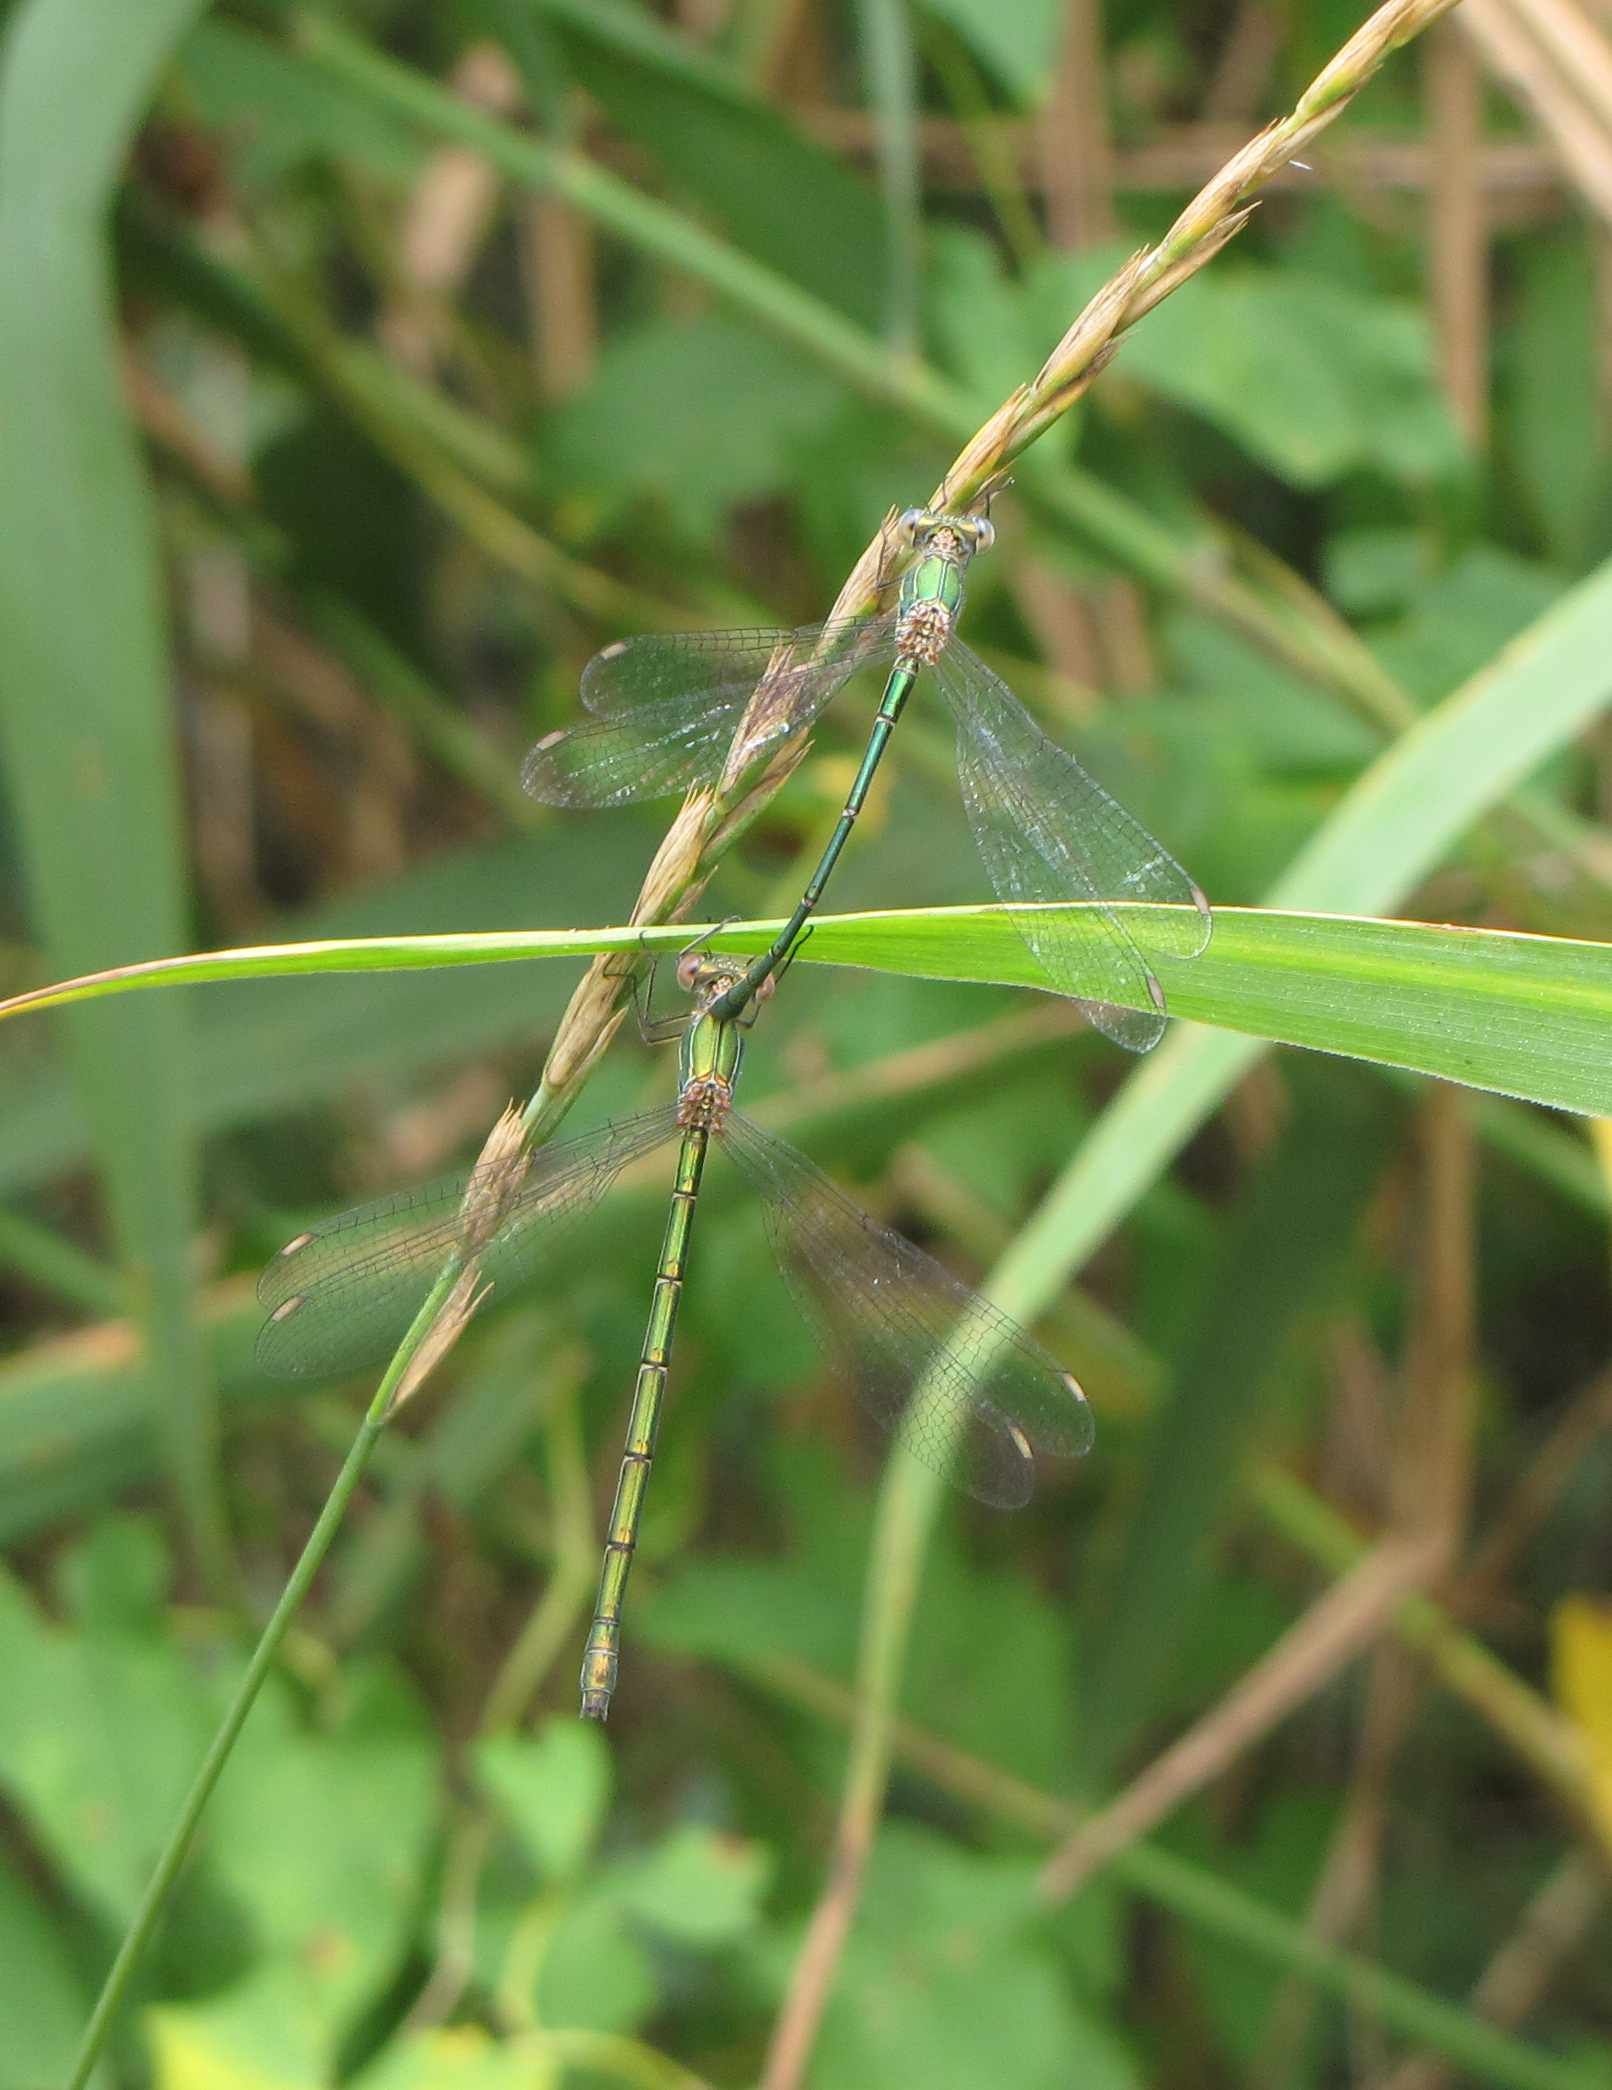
(926, 528)
(707, 975)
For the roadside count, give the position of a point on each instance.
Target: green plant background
(296, 555)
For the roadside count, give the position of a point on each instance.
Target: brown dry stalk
(499, 1174)
(1520, 175)
(712, 818)
(1458, 230)
(1348, 1618)
(1559, 65)
(450, 209)
(1430, 1482)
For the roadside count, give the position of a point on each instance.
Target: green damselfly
(687, 708)
(958, 1383)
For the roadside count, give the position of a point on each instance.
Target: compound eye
(765, 990)
(688, 970)
(908, 525)
(984, 533)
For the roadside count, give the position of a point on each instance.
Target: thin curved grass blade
(1048, 832)
(343, 1294)
(955, 1381)
(666, 707)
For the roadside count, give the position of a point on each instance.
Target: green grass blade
(1525, 1015)
(56, 1264)
(86, 712)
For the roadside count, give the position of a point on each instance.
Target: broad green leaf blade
(1555, 435)
(85, 708)
(950, 1980)
(252, 2035)
(42, 2003)
(785, 199)
(749, 405)
(1020, 44)
(247, 87)
(553, 1790)
(100, 1727)
(1316, 379)
(1525, 1015)
(700, 1889)
(355, 1800)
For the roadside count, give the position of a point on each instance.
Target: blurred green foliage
(333, 451)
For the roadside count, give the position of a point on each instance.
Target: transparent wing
(662, 748)
(1048, 832)
(955, 1381)
(342, 1295)
(666, 664)
(666, 707)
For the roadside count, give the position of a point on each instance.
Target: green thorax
(711, 1053)
(935, 576)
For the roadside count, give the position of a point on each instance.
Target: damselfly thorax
(932, 586)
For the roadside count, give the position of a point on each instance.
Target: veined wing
(656, 665)
(343, 1294)
(666, 707)
(1047, 833)
(659, 749)
(956, 1381)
